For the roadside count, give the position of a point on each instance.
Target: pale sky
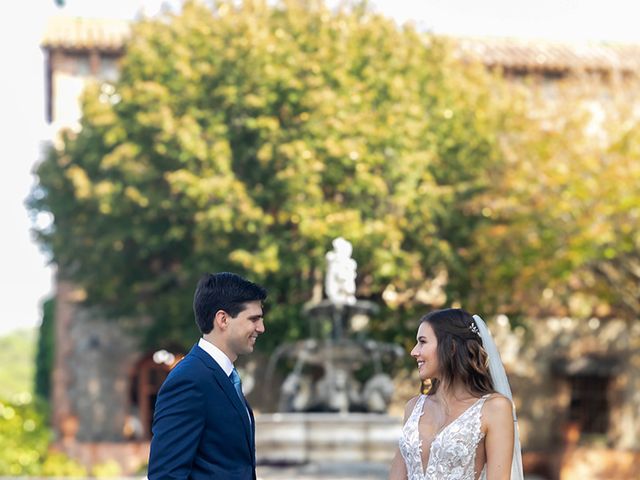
(25, 278)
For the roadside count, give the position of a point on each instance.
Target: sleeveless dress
(453, 451)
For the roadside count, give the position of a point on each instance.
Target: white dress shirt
(218, 356)
(221, 359)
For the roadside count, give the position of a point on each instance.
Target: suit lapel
(227, 387)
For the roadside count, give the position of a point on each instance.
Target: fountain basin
(297, 438)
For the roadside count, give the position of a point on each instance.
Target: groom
(202, 426)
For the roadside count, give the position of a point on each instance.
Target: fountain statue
(338, 369)
(340, 282)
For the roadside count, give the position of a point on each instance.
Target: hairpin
(474, 328)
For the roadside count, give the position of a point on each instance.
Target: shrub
(25, 438)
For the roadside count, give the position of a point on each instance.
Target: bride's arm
(398, 468)
(498, 415)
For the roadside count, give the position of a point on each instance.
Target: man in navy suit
(202, 426)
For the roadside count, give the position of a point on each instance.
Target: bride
(464, 427)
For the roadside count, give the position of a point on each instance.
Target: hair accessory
(474, 328)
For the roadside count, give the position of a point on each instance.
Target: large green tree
(561, 235)
(247, 136)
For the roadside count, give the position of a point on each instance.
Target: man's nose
(260, 326)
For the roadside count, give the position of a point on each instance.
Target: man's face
(244, 329)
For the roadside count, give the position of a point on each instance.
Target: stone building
(576, 383)
(104, 389)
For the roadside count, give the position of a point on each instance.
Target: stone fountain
(333, 401)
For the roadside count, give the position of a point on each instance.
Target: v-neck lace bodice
(452, 455)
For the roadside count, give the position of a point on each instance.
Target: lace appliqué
(453, 451)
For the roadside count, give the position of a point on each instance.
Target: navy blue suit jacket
(200, 425)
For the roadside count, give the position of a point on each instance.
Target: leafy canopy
(246, 136)
(562, 237)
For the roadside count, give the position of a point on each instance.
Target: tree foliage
(45, 351)
(247, 137)
(562, 236)
(24, 442)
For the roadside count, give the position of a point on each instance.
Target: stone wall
(92, 370)
(600, 464)
(532, 355)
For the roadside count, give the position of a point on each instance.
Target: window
(108, 69)
(589, 405)
(589, 380)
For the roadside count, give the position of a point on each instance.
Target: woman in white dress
(462, 429)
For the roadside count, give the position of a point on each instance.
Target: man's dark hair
(223, 291)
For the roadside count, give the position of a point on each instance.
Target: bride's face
(426, 352)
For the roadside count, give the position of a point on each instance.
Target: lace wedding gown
(452, 455)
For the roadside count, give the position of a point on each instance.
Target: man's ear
(221, 320)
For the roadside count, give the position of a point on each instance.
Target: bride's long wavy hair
(461, 356)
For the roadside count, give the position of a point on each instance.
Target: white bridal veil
(501, 384)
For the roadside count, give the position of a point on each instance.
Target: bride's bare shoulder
(408, 408)
(498, 401)
(497, 407)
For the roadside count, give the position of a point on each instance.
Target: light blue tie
(237, 384)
